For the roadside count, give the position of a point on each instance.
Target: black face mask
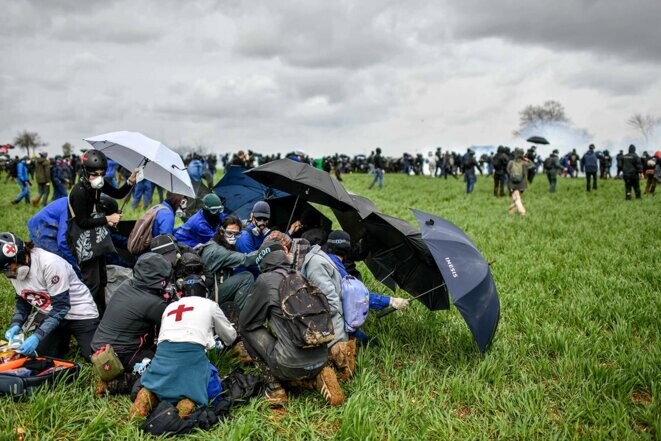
(213, 219)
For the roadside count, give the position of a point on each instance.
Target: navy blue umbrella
(466, 274)
(239, 192)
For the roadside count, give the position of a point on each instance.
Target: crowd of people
(271, 297)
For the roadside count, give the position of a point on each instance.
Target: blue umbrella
(240, 192)
(466, 274)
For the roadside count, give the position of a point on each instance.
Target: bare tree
(67, 148)
(28, 140)
(537, 116)
(646, 124)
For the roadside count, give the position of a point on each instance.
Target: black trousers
(56, 344)
(96, 278)
(591, 176)
(632, 182)
(260, 344)
(498, 184)
(553, 179)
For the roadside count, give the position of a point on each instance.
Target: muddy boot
(343, 358)
(275, 394)
(143, 404)
(306, 384)
(241, 353)
(185, 407)
(328, 386)
(101, 388)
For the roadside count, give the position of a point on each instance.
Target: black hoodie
(136, 308)
(264, 304)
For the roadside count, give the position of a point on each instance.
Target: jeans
(143, 189)
(25, 192)
(59, 191)
(470, 182)
(378, 176)
(56, 343)
(553, 179)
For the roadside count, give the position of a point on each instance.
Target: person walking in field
(378, 169)
(517, 170)
(23, 179)
(590, 165)
(552, 167)
(42, 174)
(632, 169)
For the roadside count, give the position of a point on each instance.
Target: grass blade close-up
(577, 352)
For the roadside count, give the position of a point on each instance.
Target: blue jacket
(196, 230)
(48, 230)
(164, 221)
(248, 242)
(22, 172)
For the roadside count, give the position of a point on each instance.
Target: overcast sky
(324, 76)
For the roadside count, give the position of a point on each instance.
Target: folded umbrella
(162, 166)
(466, 274)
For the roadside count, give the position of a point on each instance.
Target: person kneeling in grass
(180, 371)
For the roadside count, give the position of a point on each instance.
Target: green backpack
(516, 174)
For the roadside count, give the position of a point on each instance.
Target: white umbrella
(162, 166)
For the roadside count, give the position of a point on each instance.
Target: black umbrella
(351, 220)
(398, 256)
(538, 140)
(282, 208)
(466, 273)
(303, 180)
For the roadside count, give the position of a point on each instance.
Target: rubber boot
(185, 407)
(275, 394)
(328, 386)
(343, 357)
(241, 353)
(143, 404)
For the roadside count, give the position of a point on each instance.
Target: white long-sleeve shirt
(195, 320)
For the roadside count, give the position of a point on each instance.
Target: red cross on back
(179, 312)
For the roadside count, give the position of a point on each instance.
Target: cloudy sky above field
(324, 76)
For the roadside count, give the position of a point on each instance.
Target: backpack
(548, 163)
(13, 169)
(355, 303)
(140, 237)
(306, 311)
(516, 175)
(591, 162)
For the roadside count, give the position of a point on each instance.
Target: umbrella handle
(389, 310)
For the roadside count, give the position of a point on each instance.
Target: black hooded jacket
(264, 304)
(136, 308)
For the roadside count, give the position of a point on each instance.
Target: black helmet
(12, 250)
(194, 286)
(189, 264)
(339, 242)
(108, 205)
(93, 160)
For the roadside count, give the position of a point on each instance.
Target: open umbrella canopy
(162, 166)
(303, 180)
(537, 140)
(351, 220)
(240, 192)
(398, 256)
(466, 273)
(281, 210)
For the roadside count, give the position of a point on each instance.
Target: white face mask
(179, 212)
(230, 239)
(97, 182)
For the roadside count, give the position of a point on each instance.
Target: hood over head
(271, 255)
(150, 271)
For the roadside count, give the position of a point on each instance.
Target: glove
(219, 346)
(29, 346)
(399, 303)
(11, 332)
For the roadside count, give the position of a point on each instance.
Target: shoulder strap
(70, 208)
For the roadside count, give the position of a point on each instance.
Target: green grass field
(577, 354)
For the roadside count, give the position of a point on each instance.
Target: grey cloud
(317, 35)
(613, 78)
(628, 29)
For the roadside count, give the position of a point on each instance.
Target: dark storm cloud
(628, 29)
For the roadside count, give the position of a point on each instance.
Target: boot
(343, 358)
(275, 394)
(241, 353)
(143, 404)
(35, 202)
(185, 407)
(14, 202)
(117, 386)
(101, 388)
(328, 386)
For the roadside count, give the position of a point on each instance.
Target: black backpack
(548, 163)
(13, 169)
(306, 311)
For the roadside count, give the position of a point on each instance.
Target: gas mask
(97, 182)
(231, 236)
(261, 224)
(21, 272)
(179, 212)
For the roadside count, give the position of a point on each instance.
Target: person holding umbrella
(84, 199)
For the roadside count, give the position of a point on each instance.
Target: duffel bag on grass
(24, 375)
